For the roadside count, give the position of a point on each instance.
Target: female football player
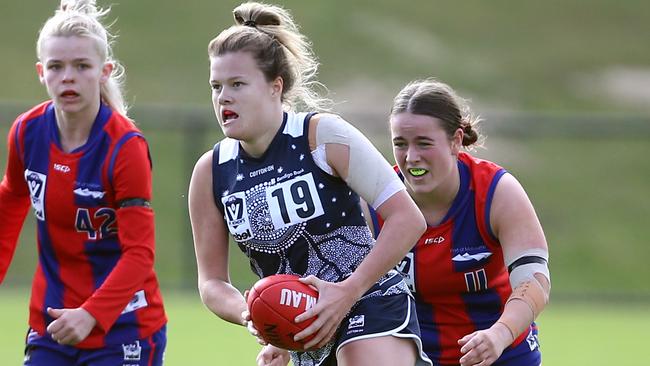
(285, 185)
(480, 272)
(85, 168)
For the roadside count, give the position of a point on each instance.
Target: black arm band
(526, 260)
(130, 202)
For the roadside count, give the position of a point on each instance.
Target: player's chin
(232, 132)
(419, 185)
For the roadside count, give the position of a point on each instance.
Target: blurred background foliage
(563, 86)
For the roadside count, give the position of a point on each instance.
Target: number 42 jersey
(91, 254)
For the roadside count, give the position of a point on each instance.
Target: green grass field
(570, 333)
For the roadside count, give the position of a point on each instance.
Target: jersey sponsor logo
(132, 351)
(436, 240)
(237, 216)
(137, 302)
(61, 168)
(36, 182)
(465, 257)
(407, 268)
(85, 192)
(261, 171)
(470, 258)
(293, 298)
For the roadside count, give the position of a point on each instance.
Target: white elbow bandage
(369, 174)
(525, 286)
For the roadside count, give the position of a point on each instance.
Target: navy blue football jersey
(287, 214)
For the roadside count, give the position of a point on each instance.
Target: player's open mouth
(417, 172)
(228, 115)
(69, 94)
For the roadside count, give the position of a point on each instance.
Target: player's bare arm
(526, 254)
(211, 247)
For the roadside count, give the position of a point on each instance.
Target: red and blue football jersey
(456, 269)
(91, 253)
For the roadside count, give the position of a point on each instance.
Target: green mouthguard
(417, 172)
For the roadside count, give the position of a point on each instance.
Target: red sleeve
(135, 224)
(14, 203)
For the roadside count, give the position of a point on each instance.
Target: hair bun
(81, 6)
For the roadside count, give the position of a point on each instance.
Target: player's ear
(277, 86)
(457, 141)
(39, 72)
(107, 70)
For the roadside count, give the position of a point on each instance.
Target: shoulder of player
(202, 172)
(325, 117)
(509, 198)
(204, 163)
(119, 125)
(330, 119)
(30, 115)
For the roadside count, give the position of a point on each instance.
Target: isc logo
(61, 167)
(294, 298)
(436, 240)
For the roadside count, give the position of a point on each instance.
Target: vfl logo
(294, 298)
(234, 210)
(407, 268)
(357, 321)
(237, 216)
(36, 183)
(132, 351)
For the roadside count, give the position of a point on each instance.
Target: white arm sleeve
(525, 264)
(369, 174)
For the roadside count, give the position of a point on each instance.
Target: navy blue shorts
(372, 317)
(43, 351)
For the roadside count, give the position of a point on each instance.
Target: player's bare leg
(379, 351)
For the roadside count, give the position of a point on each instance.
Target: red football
(274, 302)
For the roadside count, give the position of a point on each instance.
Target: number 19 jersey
(287, 214)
